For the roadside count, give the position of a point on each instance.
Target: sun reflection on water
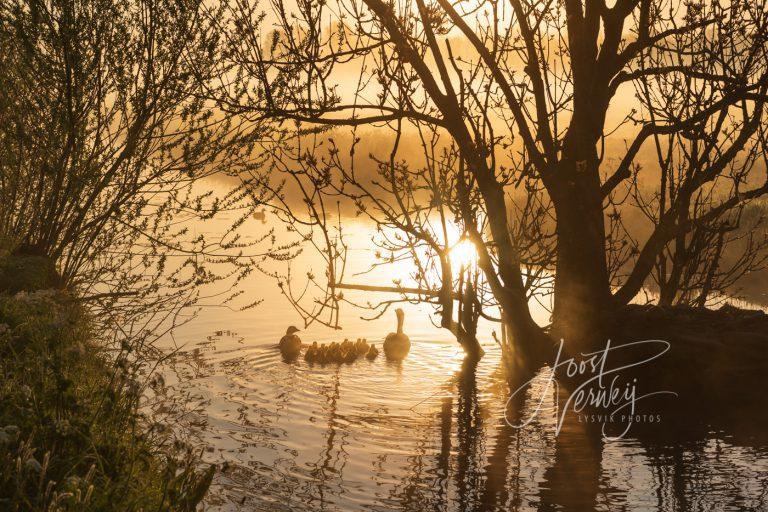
(424, 433)
(427, 433)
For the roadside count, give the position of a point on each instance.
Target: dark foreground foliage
(71, 433)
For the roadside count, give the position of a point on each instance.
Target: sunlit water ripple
(423, 434)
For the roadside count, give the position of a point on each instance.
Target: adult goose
(397, 344)
(290, 344)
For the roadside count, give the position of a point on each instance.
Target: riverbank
(716, 365)
(72, 436)
(700, 370)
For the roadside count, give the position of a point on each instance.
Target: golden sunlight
(463, 254)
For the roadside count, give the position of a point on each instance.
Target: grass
(72, 437)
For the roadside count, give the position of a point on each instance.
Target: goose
(350, 355)
(362, 347)
(397, 344)
(310, 355)
(290, 344)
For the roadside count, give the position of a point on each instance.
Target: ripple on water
(421, 434)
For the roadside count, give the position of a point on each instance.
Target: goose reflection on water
(428, 433)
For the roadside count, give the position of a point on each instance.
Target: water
(427, 433)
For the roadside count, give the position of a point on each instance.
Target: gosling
(310, 355)
(362, 347)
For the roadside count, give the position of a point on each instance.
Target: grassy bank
(71, 434)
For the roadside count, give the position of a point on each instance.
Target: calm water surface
(427, 433)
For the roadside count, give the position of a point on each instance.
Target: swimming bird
(322, 354)
(290, 344)
(362, 347)
(310, 355)
(372, 353)
(350, 355)
(397, 344)
(334, 353)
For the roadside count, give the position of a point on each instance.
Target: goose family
(344, 352)
(396, 346)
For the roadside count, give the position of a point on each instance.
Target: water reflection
(429, 434)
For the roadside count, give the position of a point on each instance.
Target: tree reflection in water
(430, 434)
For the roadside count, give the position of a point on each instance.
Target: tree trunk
(582, 288)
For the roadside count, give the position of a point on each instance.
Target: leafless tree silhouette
(523, 97)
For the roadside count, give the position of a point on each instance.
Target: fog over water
(427, 433)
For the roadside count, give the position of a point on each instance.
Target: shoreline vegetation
(72, 433)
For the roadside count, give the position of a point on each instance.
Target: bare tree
(529, 94)
(104, 145)
(416, 211)
(717, 244)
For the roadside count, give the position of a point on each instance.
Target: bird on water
(290, 344)
(397, 344)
